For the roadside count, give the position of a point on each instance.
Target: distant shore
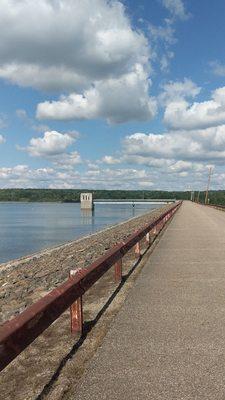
(73, 195)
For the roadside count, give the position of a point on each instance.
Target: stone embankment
(24, 281)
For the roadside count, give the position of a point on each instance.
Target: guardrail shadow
(89, 325)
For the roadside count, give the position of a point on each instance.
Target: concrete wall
(86, 201)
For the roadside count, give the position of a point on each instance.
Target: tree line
(73, 195)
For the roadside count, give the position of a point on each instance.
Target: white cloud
(180, 114)
(77, 41)
(124, 178)
(3, 121)
(53, 147)
(117, 100)
(43, 78)
(184, 166)
(176, 8)
(110, 160)
(52, 143)
(174, 91)
(205, 145)
(162, 37)
(21, 176)
(165, 61)
(184, 177)
(164, 33)
(2, 139)
(22, 115)
(217, 68)
(86, 48)
(67, 160)
(130, 156)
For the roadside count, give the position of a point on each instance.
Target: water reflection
(87, 217)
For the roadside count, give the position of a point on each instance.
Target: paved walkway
(168, 341)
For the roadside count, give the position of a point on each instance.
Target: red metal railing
(18, 333)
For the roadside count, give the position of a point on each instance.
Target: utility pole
(208, 183)
(198, 196)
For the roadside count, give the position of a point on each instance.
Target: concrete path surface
(168, 340)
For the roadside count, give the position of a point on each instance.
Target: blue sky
(105, 94)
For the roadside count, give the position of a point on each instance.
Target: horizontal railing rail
(19, 332)
(219, 206)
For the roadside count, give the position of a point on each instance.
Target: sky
(112, 94)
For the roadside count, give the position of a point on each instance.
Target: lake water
(26, 228)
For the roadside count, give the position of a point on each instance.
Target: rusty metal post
(137, 250)
(118, 270)
(76, 311)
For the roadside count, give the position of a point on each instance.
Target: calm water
(29, 227)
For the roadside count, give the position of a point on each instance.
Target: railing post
(76, 311)
(137, 250)
(118, 270)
